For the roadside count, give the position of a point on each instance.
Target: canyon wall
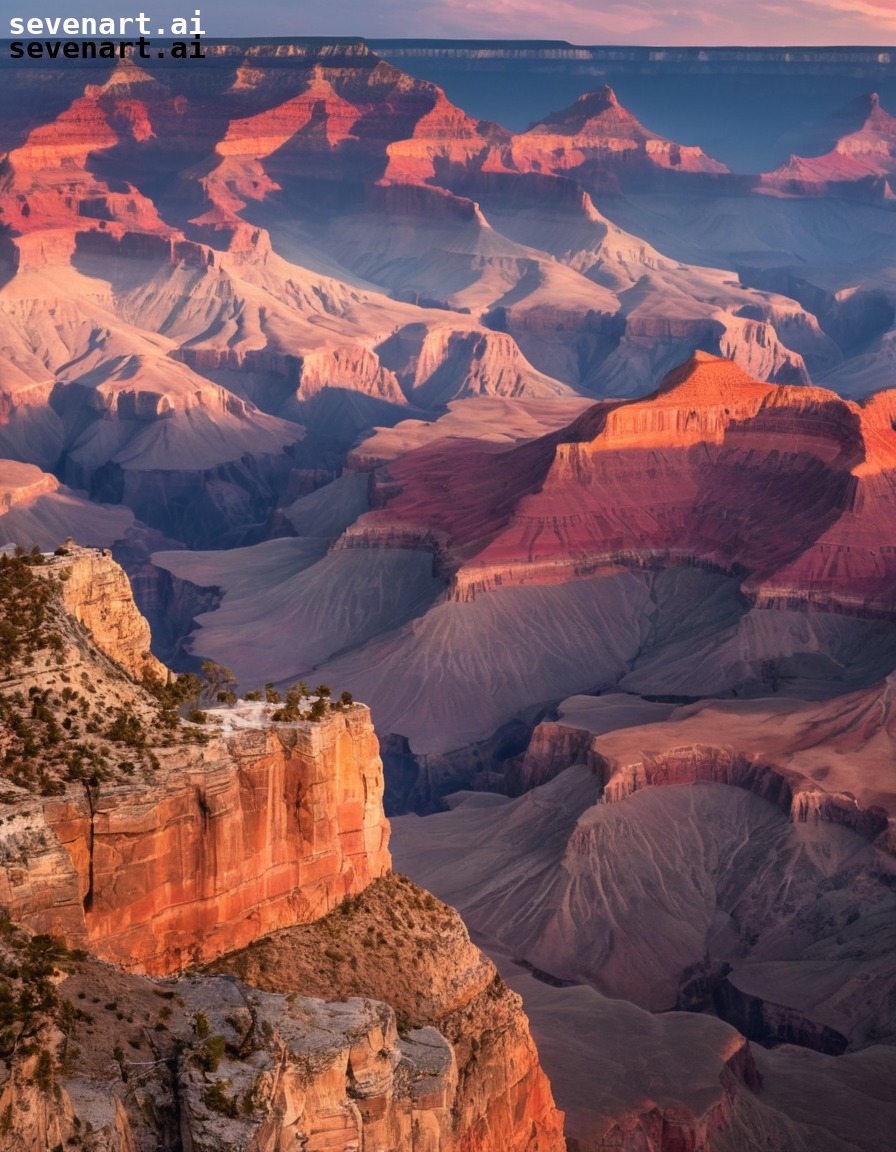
(416, 954)
(96, 592)
(817, 762)
(217, 836)
(258, 829)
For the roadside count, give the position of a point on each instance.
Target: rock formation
(264, 828)
(162, 350)
(96, 593)
(211, 1063)
(240, 824)
(433, 979)
(598, 503)
(862, 161)
(601, 142)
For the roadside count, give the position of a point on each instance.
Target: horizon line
(350, 38)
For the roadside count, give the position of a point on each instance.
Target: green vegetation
(212, 1053)
(31, 1010)
(215, 1098)
(26, 602)
(298, 696)
(220, 683)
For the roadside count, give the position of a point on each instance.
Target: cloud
(761, 22)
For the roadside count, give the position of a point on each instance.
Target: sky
(666, 22)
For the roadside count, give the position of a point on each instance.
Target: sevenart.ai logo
(106, 37)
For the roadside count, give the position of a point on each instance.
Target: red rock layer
(48, 185)
(258, 830)
(791, 488)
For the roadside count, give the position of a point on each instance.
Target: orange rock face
(435, 978)
(260, 829)
(97, 593)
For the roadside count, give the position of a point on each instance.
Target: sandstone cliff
(96, 592)
(210, 837)
(258, 829)
(258, 826)
(398, 943)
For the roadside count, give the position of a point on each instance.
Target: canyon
(720, 537)
(551, 417)
(740, 880)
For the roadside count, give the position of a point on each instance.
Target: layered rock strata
(232, 828)
(262, 827)
(828, 762)
(790, 490)
(416, 954)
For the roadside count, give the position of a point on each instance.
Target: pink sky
(760, 22)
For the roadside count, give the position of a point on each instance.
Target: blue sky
(761, 22)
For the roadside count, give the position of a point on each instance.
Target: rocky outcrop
(215, 1065)
(444, 143)
(50, 1121)
(803, 802)
(96, 592)
(354, 368)
(324, 1075)
(434, 978)
(437, 365)
(266, 825)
